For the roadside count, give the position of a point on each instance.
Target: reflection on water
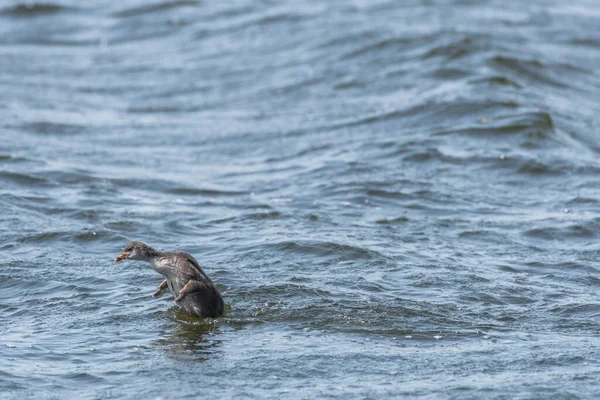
(189, 337)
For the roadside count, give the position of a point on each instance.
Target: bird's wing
(196, 286)
(190, 268)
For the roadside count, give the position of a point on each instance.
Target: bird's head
(137, 251)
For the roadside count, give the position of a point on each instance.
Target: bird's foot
(161, 288)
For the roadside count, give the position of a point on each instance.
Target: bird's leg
(160, 288)
(190, 286)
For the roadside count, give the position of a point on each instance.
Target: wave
(325, 249)
(33, 9)
(53, 128)
(190, 191)
(156, 7)
(100, 236)
(23, 179)
(587, 230)
(534, 70)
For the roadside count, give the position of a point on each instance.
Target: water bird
(194, 291)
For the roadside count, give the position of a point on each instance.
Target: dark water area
(396, 198)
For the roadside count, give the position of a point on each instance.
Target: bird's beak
(121, 257)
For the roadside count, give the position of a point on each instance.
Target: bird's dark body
(205, 299)
(206, 304)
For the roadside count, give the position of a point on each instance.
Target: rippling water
(395, 198)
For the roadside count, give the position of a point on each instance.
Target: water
(395, 198)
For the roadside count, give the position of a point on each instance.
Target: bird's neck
(152, 258)
(152, 253)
